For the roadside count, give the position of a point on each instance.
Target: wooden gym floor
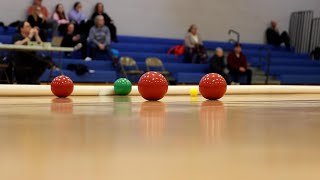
(241, 137)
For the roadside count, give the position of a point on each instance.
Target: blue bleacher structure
(288, 67)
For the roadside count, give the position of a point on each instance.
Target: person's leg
(113, 32)
(225, 76)
(92, 50)
(195, 58)
(110, 54)
(248, 75)
(235, 76)
(83, 50)
(187, 55)
(286, 40)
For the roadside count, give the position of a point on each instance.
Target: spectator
(99, 10)
(71, 39)
(28, 72)
(76, 15)
(274, 37)
(60, 17)
(195, 51)
(217, 64)
(37, 20)
(99, 40)
(82, 26)
(238, 66)
(45, 16)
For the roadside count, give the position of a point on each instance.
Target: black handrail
(267, 59)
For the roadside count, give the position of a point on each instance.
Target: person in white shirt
(194, 49)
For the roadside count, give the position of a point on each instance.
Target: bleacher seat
(286, 70)
(5, 39)
(149, 40)
(300, 79)
(283, 62)
(95, 65)
(141, 57)
(97, 77)
(150, 48)
(189, 78)
(10, 31)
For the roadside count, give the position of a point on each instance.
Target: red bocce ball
(153, 86)
(213, 86)
(62, 86)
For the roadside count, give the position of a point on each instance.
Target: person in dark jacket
(218, 65)
(99, 10)
(72, 39)
(37, 20)
(275, 38)
(28, 65)
(238, 65)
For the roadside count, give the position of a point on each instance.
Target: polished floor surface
(254, 137)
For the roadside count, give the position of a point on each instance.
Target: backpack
(177, 50)
(79, 69)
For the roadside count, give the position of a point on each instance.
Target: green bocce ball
(122, 87)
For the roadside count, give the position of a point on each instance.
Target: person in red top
(44, 14)
(238, 66)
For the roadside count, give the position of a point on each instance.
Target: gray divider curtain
(315, 34)
(300, 30)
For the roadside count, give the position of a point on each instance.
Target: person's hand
(101, 46)
(76, 38)
(36, 31)
(41, 15)
(31, 34)
(242, 69)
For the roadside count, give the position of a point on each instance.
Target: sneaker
(88, 59)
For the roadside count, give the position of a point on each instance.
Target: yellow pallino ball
(194, 92)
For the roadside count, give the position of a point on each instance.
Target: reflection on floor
(239, 137)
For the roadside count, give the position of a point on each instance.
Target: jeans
(93, 49)
(235, 76)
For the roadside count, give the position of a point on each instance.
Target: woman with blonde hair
(39, 21)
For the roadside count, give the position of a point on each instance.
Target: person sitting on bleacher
(99, 40)
(80, 20)
(238, 66)
(72, 39)
(28, 65)
(60, 17)
(99, 10)
(44, 14)
(217, 64)
(194, 49)
(37, 20)
(275, 38)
